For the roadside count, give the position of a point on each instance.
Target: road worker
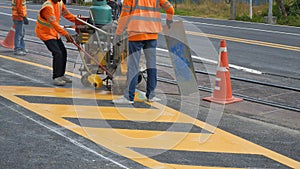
(19, 17)
(142, 18)
(49, 31)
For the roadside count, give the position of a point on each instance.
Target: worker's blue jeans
(149, 48)
(19, 35)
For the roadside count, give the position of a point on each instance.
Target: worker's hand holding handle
(69, 38)
(118, 40)
(25, 20)
(169, 22)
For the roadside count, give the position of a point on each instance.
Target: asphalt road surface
(43, 126)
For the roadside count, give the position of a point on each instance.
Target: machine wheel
(141, 76)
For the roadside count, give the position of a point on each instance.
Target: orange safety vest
(18, 11)
(43, 29)
(142, 18)
(145, 17)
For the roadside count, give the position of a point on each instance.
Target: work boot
(122, 100)
(24, 50)
(66, 79)
(154, 99)
(58, 81)
(19, 52)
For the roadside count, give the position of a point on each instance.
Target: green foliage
(80, 2)
(275, 11)
(243, 17)
(292, 20)
(293, 8)
(182, 12)
(255, 18)
(221, 10)
(203, 9)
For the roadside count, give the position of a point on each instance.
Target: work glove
(69, 38)
(169, 22)
(25, 20)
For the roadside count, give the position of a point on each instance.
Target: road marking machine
(102, 54)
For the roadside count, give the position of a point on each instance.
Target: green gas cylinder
(101, 12)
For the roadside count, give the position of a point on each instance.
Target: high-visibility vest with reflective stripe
(15, 13)
(44, 30)
(144, 18)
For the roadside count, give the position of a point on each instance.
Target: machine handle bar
(92, 26)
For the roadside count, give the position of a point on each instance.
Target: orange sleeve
(67, 14)
(124, 16)
(168, 7)
(47, 14)
(19, 8)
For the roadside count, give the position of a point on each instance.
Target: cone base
(2, 43)
(228, 101)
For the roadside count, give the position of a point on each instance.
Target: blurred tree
(280, 4)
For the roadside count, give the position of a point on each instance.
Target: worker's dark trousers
(59, 54)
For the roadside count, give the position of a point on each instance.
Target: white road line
(243, 28)
(23, 76)
(7, 14)
(66, 137)
(194, 57)
(75, 9)
(216, 25)
(53, 129)
(215, 62)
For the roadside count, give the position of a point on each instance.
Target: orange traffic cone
(222, 90)
(10, 39)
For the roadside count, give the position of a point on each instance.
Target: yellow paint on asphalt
(123, 141)
(46, 114)
(197, 167)
(134, 114)
(35, 64)
(247, 41)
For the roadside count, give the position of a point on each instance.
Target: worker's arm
(67, 14)
(167, 6)
(124, 16)
(47, 14)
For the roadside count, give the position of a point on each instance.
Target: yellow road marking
(166, 140)
(36, 65)
(122, 140)
(46, 114)
(191, 142)
(107, 113)
(252, 42)
(220, 141)
(197, 167)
